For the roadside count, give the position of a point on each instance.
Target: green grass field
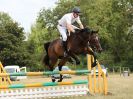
(119, 87)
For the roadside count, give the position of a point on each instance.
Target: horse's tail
(46, 57)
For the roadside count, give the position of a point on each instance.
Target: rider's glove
(73, 31)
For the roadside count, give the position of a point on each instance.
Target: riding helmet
(76, 10)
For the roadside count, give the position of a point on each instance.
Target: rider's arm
(81, 26)
(80, 23)
(70, 28)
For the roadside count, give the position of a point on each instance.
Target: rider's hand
(73, 31)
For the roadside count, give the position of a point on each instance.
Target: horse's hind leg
(61, 76)
(61, 63)
(51, 66)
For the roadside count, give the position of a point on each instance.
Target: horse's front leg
(52, 76)
(91, 52)
(95, 59)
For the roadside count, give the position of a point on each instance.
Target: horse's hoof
(59, 80)
(94, 64)
(53, 80)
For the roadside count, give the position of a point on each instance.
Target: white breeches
(63, 31)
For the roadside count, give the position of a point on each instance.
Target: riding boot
(65, 48)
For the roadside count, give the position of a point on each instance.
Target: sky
(25, 11)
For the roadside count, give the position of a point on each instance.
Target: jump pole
(94, 89)
(44, 73)
(43, 84)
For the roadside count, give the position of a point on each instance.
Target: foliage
(12, 50)
(45, 30)
(119, 26)
(113, 18)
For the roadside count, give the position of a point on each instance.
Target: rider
(65, 23)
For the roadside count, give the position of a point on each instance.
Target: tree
(113, 18)
(12, 50)
(44, 30)
(118, 27)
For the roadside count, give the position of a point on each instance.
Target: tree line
(113, 18)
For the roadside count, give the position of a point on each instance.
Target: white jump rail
(45, 92)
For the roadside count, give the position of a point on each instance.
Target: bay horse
(77, 43)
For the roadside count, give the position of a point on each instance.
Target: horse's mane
(86, 29)
(83, 33)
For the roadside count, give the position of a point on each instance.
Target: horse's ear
(95, 31)
(87, 29)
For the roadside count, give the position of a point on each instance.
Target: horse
(77, 43)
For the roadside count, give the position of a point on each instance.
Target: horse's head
(94, 40)
(90, 36)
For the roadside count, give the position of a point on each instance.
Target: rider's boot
(65, 48)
